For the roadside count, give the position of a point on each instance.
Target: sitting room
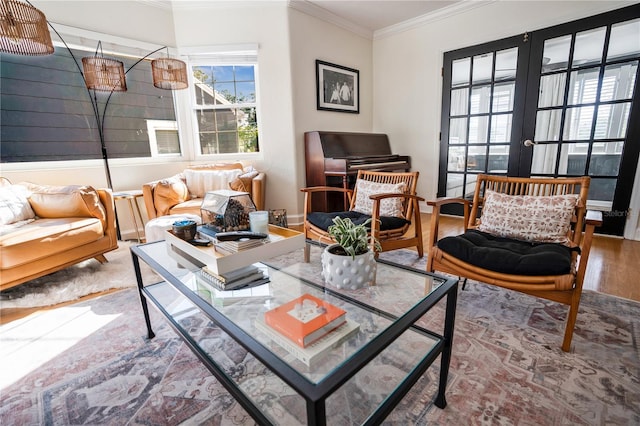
(102, 321)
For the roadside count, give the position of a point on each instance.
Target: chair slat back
(534, 187)
(410, 180)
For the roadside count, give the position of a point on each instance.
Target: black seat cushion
(508, 256)
(324, 220)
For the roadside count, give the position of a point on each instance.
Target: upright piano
(334, 158)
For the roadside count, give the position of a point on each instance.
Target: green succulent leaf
(354, 239)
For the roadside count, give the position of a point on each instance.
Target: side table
(132, 197)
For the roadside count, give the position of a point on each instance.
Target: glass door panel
(481, 95)
(583, 128)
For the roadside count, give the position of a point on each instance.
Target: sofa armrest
(258, 188)
(147, 197)
(160, 195)
(106, 198)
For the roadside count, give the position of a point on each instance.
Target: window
(224, 102)
(163, 137)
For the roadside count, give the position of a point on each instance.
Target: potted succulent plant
(349, 263)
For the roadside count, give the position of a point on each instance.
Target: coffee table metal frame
(315, 395)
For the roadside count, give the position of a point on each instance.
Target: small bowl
(185, 229)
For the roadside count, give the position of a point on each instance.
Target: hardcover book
(305, 319)
(317, 349)
(255, 293)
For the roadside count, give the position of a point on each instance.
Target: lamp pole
(100, 119)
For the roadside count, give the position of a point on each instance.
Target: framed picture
(337, 88)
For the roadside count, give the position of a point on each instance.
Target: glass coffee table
(358, 379)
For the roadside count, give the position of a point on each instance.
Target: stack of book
(248, 276)
(221, 298)
(239, 245)
(307, 327)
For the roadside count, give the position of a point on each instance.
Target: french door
(561, 101)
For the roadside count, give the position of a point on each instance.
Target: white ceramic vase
(345, 272)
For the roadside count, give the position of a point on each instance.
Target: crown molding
(311, 9)
(445, 12)
(160, 4)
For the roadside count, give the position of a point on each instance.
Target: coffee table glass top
(397, 290)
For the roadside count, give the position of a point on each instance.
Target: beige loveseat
(184, 192)
(47, 228)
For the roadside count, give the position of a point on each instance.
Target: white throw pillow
(388, 206)
(201, 181)
(528, 217)
(14, 205)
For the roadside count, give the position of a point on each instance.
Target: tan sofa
(48, 228)
(184, 192)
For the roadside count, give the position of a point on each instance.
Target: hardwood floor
(613, 263)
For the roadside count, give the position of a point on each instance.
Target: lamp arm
(125, 73)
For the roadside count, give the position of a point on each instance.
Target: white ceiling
(378, 14)
(363, 17)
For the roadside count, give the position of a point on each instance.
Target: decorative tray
(281, 241)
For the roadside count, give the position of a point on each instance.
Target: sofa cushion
(528, 217)
(14, 205)
(199, 181)
(50, 201)
(169, 192)
(508, 256)
(188, 207)
(45, 237)
(388, 206)
(243, 182)
(323, 220)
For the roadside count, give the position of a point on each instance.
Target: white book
(315, 351)
(252, 294)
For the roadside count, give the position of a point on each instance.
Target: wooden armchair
(389, 199)
(524, 234)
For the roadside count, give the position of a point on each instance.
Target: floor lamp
(24, 31)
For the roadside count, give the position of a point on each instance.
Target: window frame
(223, 55)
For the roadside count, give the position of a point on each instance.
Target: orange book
(305, 319)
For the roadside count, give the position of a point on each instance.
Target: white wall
(407, 81)
(264, 23)
(313, 39)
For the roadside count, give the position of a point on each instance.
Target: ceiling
(377, 14)
(364, 17)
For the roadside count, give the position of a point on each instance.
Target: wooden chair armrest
(593, 217)
(325, 189)
(441, 201)
(592, 220)
(435, 215)
(394, 195)
(314, 189)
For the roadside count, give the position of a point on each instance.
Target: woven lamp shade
(23, 30)
(170, 74)
(104, 74)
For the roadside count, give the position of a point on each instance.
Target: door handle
(529, 142)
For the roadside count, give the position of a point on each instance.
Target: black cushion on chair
(324, 220)
(508, 256)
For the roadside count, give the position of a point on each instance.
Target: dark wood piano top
(329, 153)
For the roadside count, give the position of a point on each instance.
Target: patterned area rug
(507, 367)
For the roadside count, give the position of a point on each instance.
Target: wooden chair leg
(100, 258)
(571, 321)
(307, 252)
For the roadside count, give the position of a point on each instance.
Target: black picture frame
(337, 88)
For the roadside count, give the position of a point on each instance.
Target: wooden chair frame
(566, 289)
(389, 239)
